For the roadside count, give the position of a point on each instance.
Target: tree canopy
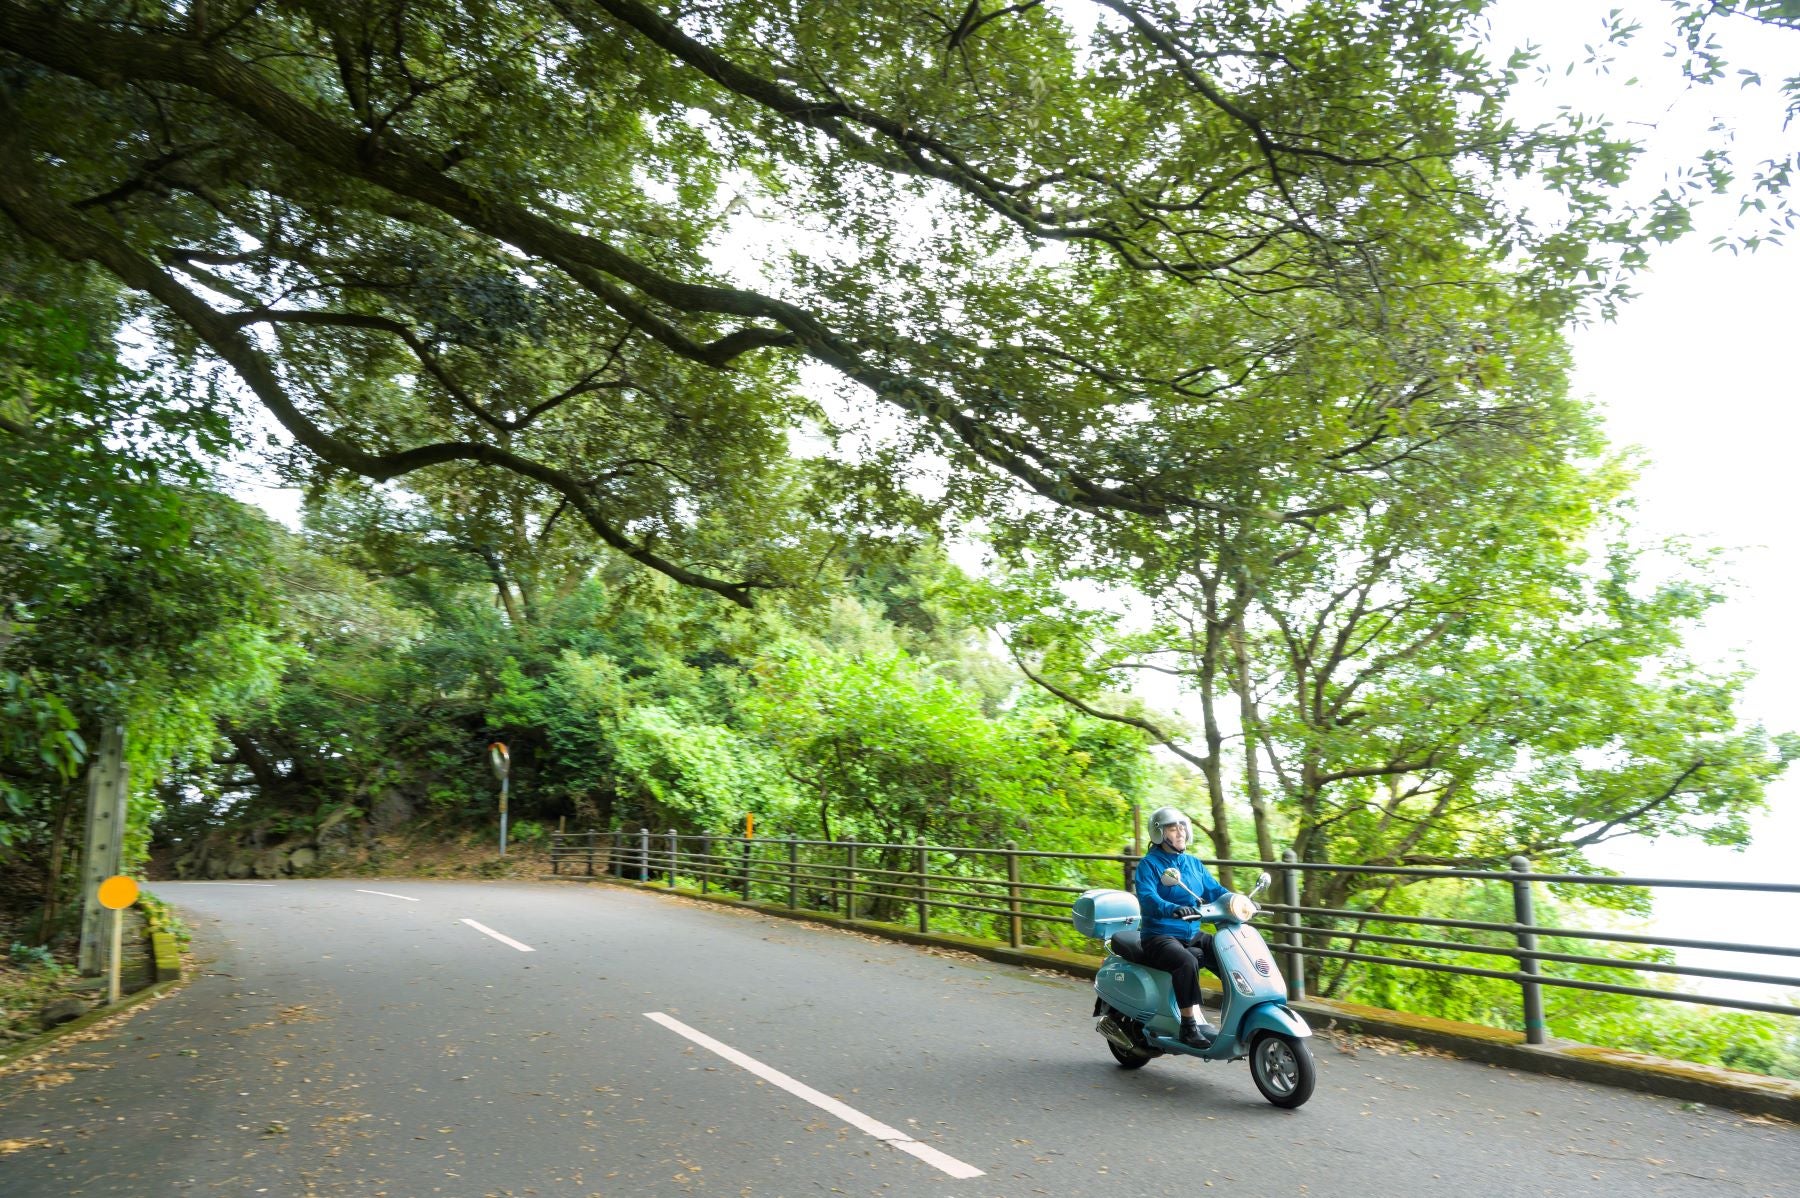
(488, 248)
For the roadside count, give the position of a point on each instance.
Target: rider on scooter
(1172, 942)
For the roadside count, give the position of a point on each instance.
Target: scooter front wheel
(1282, 1068)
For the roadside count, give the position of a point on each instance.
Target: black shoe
(1196, 1035)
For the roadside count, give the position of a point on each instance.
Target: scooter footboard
(1272, 1018)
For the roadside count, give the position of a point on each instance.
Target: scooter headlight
(1241, 908)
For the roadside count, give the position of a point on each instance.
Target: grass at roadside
(30, 979)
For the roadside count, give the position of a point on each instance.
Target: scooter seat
(1130, 946)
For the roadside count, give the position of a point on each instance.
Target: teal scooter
(1135, 1004)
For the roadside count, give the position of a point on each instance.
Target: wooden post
(108, 781)
(116, 940)
(114, 895)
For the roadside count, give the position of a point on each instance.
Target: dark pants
(1183, 962)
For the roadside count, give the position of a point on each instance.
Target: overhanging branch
(42, 216)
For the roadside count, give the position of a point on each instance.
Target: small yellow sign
(118, 892)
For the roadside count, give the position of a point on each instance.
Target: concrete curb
(1750, 1093)
(165, 956)
(166, 959)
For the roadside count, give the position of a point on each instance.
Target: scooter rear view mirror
(1171, 877)
(1262, 884)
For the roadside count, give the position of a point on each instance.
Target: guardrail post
(1296, 964)
(793, 874)
(1129, 874)
(674, 851)
(705, 863)
(1012, 892)
(644, 854)
(744, 856)
(591, 836)
(849, 879)
(555, 851)
(924, 895)
(1526, 933)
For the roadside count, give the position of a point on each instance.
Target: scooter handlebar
(1221, 911)
(1214, 911)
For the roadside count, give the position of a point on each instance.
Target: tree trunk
(53, 864)
(1252, 723)
(502, 588)
(1211, 766)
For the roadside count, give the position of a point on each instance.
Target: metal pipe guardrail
(906, 882)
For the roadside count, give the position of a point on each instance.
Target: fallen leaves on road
(952, 953)
(1351, 1043)
(298, 1013)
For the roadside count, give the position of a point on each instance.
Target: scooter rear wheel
(1282, 1068)
(1129, 1058)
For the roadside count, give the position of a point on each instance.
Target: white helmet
(1162, 817)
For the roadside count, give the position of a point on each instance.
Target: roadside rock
(391, 810)
(62, 1011)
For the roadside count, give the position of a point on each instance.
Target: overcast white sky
(1698, 371)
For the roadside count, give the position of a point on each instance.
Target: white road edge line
(385, 894)
(524, 948)
(825, 1102)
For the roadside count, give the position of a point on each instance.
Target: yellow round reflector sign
(118, 892)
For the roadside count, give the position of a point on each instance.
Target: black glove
(1187, 912)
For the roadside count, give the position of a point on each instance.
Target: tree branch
(1131, 721)
(107, 57)
(43, 217)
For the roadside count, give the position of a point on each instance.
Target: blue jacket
(1159, 902)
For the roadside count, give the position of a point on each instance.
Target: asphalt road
(339, 1042)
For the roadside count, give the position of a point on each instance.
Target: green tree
(1438, 665)
(132, 595)
(484, 248)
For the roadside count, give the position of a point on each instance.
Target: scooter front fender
(1272, 1017)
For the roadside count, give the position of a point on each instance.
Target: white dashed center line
(825, 1102)
(484, 929)
(385, 894)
